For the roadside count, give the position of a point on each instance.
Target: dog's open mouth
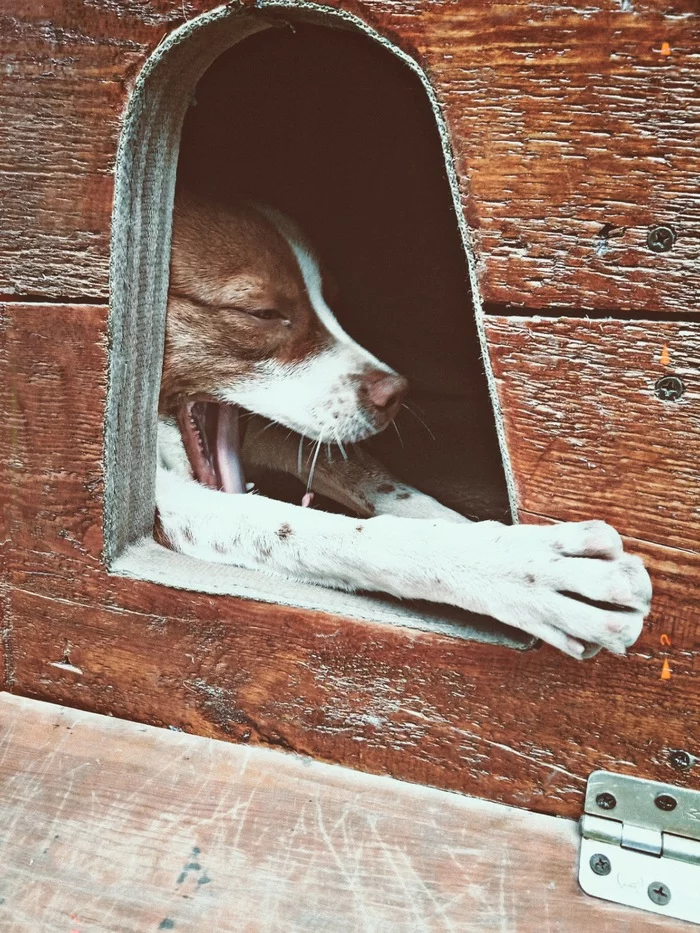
(212, 437)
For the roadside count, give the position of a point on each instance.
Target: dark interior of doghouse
(333, 129)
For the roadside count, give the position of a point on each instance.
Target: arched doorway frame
(145, 175)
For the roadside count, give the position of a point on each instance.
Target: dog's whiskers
(418, 419)
(319, 442)
(340, 444)
(398, 433)
(271, 425)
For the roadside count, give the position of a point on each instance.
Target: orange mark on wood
(665, 357)
(665, 640)
(665, 48)
(666, 671)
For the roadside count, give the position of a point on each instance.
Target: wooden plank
(5, 633)
(560, 123)
(53, 362)
(521, 729)
(110, 826)
(484, 720)
(587, 434)
(559, 129)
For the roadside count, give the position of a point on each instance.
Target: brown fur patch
(227, 264)
(403, 495)
(159, 535)
(386, 487)
(284, 531)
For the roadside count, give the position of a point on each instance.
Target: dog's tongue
(211, 435)
(228, 450)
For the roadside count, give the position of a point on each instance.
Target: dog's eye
(266, 314)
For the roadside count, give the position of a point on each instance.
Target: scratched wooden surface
(110, 826)
(565, 122)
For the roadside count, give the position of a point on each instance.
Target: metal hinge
(640, 845)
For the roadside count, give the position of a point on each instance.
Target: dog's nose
(385, 391)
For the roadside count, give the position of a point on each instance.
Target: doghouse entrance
(337, 128)
(328, 127)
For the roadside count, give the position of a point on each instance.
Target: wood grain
(522, 729)
(420, 707)
(586, 432)
(113, 826)
(563, 124)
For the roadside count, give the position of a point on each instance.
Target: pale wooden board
(109, 826)
(563, 119)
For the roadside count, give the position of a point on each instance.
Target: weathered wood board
(564, 122)
(110, 826)
(523, 729)
(586, 431)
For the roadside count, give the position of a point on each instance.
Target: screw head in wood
(661, 239)
(666, 802)
(680, 759)
(659, 893)
(600, 864)
(669, 388)
(606, 801)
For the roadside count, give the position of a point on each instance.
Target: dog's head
(248, 324)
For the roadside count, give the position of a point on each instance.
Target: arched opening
(339, 129)
(328, 127)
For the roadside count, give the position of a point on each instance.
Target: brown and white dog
(249, 330)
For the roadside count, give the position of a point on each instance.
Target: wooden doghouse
(569, 139)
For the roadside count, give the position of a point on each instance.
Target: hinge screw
(606, 801)
(680, 760)
(600, 864)
(661, 239)
(669, 388)
(666, 802)
(659, 893)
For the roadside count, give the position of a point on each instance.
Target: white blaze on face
(318, 396)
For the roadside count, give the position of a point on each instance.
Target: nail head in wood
(661, 239)
(680, 760)
(669, 388)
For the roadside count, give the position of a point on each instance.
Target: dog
(258, 373)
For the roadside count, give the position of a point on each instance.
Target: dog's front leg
(358, 482)
(568, 584)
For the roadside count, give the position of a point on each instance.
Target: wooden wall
(574, 132)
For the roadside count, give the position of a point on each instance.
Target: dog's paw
(571, 585)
